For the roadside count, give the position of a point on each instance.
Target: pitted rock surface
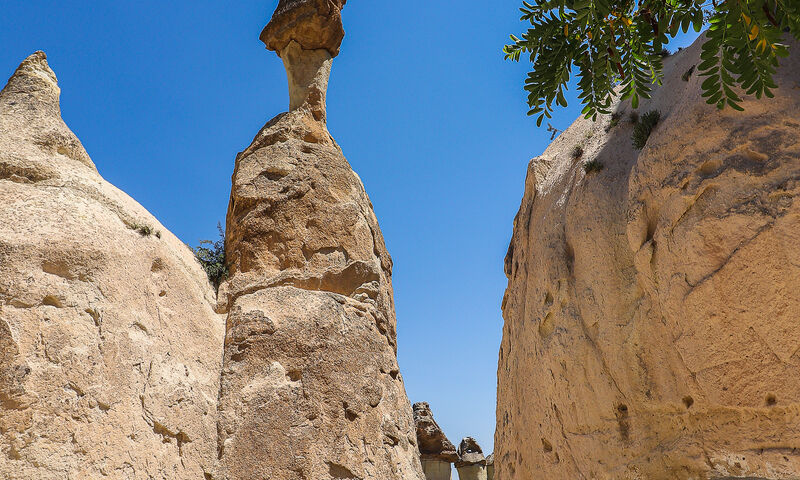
(310, 385)
(651, 310)
(110, 350)
(433, 443)
(314, 24)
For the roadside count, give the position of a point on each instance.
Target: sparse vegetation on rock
(211, 255)
(144, 230)
(592, 166)
(643, 127)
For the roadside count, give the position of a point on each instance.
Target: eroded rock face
(471, 464)
(109, 347)
(650, 317)
(310, 386)
(313, 24)
(433, 443)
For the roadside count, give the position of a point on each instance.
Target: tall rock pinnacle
(310, 387)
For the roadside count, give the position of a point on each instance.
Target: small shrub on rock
(592, 166)
(577, 151)
(211, 256)
(643, 128)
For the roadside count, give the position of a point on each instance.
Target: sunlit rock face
(437, 452)
(471, 464)
(652, 307)
(110, 350)
(311, 388)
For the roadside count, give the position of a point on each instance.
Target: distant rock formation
(311, 388)
(471, 464)
(109, 345)
(437, 452)
(652, 307)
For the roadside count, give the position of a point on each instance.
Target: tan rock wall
(310, 385)
(651, 313)
(110, 351)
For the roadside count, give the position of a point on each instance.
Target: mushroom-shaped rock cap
(432, 441)
(470, 453)
(314, 24)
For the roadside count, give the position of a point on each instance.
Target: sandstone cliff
(310, 386)
(110, 351)
(652, 307)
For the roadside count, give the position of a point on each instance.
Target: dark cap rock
(431, 439)
(314, 24)
(470, 453)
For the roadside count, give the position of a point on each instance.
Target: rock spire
(310, 385)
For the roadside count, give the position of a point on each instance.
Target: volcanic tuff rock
(314, 24)
(433, 443)
(310, 385)
(470, 453)
(109, 347)
(651, 311)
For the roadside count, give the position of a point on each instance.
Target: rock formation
(437, 452)
(651, 311)
(109, 346)
(310, 384)
(490, 467)
(471, 464)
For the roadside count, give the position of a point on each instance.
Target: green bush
(643, 128)
(211, 256)
(577, 151)
(592, 166)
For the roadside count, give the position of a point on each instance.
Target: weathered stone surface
(313, 24)
(310, 371)
(490, 467)
(651, 312)
(433, 443)
(471, 464)
(310, 385)
(110, 351)
(437, 469)
(470, 453)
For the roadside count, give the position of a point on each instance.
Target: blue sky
(164, 94)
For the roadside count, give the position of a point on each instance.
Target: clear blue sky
(163, 94)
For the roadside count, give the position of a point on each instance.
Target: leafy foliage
(211, 256)
(643, 128)
(620, 43)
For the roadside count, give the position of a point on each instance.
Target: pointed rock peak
(30, 114)
(306, 34)
(34, 74)
(432, 441)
